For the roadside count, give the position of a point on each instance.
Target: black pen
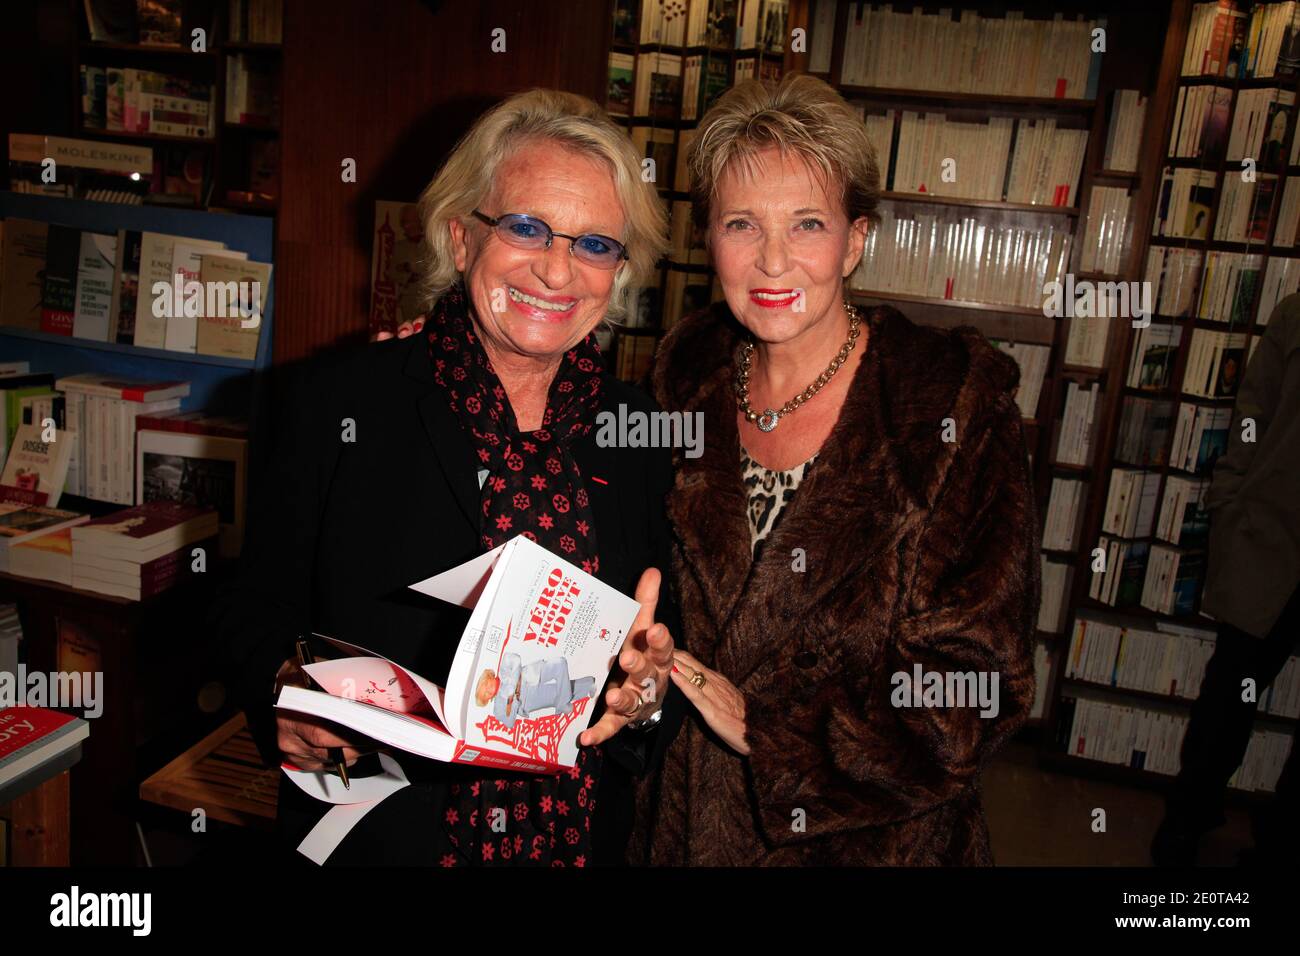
(335, 753)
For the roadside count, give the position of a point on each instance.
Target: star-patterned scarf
(534, 487)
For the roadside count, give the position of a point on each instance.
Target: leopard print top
(768, 491)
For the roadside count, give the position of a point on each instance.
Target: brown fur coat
(918, 551)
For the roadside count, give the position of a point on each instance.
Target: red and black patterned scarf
(534, 487)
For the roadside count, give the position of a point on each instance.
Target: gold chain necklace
(770, 417)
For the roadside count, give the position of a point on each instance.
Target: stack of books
(141, 551)
(21, 523)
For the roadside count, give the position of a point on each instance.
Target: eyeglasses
(527, 232)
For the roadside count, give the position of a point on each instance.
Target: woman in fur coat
(855, 548)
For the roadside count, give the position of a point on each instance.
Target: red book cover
(31, 735)
(144, 525)
(194, 423)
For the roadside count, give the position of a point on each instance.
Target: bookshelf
(1161, 118)
(234, 164)
(1144, 52)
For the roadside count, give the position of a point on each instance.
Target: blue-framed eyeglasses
(529, 232)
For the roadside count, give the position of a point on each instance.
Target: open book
(540, 643)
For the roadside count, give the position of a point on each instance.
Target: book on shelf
(37, 465)
(1200, 437)
(932, 251)
(658, 85)
(1032, 361)
(85, 169)
(395, 297)
(618, 85)
(821, 35)
(181, 333)
(1259, 125)
(1244, 209)
(625, 21)
(21, 522)
(1183, 518)
(22, 273)
(770, 25)
(157, 256)
(1201, 123)
(1144, 429)
(14, 390)
(194, 423)
(1042, 680)
(125, 287)
(1085, 343)
(94, 287)
(721, 23)
(744, 68)
(1124, 131)
(1064, 511)
(656, 145)
(101, 413)
(1215, 40)
(1184, 203)
(682, 174)
(1120, 583)
(1288, 215)
(1282, 697)
(1261, 767)
(1153, 356)
(1173, 579)
(59, 288)
(32, 736)
(1228, 286)
(195, 467)
(1215, 364)
(159, 22)
(240, 288)
(1270, 38)
(964, 52)
(1074, 443)
(252, 91)
(1105, 231)
(1138, 737)
(939, 156)
(1130, 502)
(1166, 659)
(159, 104)
(1281, 279)
(1046, 164)
(11, 369)
(663, 21)
(535, 654)
(1173, 273)
(112, 21)
(1057, 577)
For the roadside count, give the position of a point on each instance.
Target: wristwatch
(646, 723)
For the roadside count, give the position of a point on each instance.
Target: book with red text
(525, 680)
(31, 736)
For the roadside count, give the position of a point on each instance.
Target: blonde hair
(802, 116)
(574, 121)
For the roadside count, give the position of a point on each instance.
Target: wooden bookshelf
(1160, 119)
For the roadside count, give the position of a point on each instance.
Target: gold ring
(634, 711)
(698, 679)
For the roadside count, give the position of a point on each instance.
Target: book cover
(238, 288)
(157, 252)
(126, 286)
(182, 330)
(59, 291)
(22, 271)
(30, 736)
(95, 268)
(525, 679)
(144, 526)
(128, 390)
(395, 296)
(37, 466)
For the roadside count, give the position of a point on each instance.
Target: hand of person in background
(404, 330)
(646, 659)
(305, 741)
(715, 697)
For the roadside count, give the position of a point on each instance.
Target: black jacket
(340, 528)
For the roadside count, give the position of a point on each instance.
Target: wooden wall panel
(393, 85)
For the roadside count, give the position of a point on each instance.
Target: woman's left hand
(717, 700)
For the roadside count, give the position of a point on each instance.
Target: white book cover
(183, 324)
(157, 252)
(525, 680)
(94, 294)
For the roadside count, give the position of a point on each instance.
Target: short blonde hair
(574, 121)
(802, 116)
